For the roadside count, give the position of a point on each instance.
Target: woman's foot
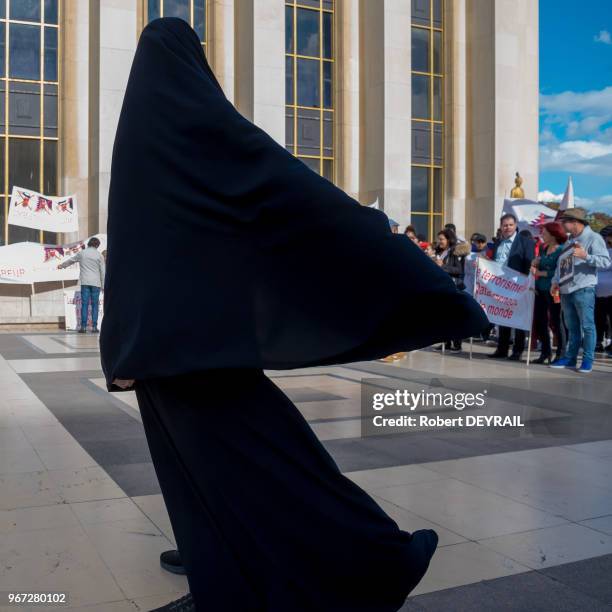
(170, 560)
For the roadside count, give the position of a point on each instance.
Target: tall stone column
(455, 45)
(502, 102)
(117, 44)
(385, 107)
(75, 137)
(260, 64)
(222, 42)
(347, 96)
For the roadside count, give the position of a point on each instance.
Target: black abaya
(224, 250)
(226, 256)
(263, 518)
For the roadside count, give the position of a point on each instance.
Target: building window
(427, 199)
(194, 12)
(29, 83)
(309, 74)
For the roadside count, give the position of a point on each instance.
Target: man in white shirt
(515, 252)
(91, 277)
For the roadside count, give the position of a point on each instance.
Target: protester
(453, 228)
(578, 293)
(479, 243)
(91, 277)
(546, 310)
(450, 256)
(479, 249)
(515, 252)
(410, 231)
(603, 299)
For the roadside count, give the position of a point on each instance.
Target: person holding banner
(546, 311)
(576, 278)
(603, 299)
(515, 252)
(91, 278)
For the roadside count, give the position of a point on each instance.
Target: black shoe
(498, 355)
(82, 331)
(515, 357)
(455, 348)
(170, 560)
(95, 330)
(542, 359)
(184, 604)
(599, 348)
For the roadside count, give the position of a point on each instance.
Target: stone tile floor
(525, 521)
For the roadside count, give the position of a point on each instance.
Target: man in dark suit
(516, 252)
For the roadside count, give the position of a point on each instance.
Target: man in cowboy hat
(578, 293)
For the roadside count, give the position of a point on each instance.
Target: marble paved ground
(524, 518)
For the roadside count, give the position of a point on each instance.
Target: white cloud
(547, 135)
(549, 196)
(599, 204)
(587, 126)
(571, 103)
(603, 37)
(578, 156)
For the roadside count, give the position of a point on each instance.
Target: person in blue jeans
(578, 293)
(91, 277)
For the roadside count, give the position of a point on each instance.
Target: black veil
(226, 251)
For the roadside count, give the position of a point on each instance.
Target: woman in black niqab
(226, 256)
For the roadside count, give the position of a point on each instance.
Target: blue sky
(576, 100)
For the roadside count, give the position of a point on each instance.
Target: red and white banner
(530, 215)
(72, 309)
(31, 262)
(505, 295)
(29, 208)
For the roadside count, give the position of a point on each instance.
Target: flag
(530, 215)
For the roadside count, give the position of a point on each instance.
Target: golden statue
(517, 190)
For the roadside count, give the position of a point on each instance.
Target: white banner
(32, 209)
(505, 295)
(72, 309)
(530, 215)
(31, 262)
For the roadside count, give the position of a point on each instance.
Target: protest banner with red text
(505, 295)
(31, 262)
(72, 310)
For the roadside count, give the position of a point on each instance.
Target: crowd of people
(570, 313)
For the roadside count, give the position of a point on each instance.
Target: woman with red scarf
(546, 311)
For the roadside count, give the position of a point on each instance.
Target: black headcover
(226, 251)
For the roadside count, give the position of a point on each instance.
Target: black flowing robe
(226, 251)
